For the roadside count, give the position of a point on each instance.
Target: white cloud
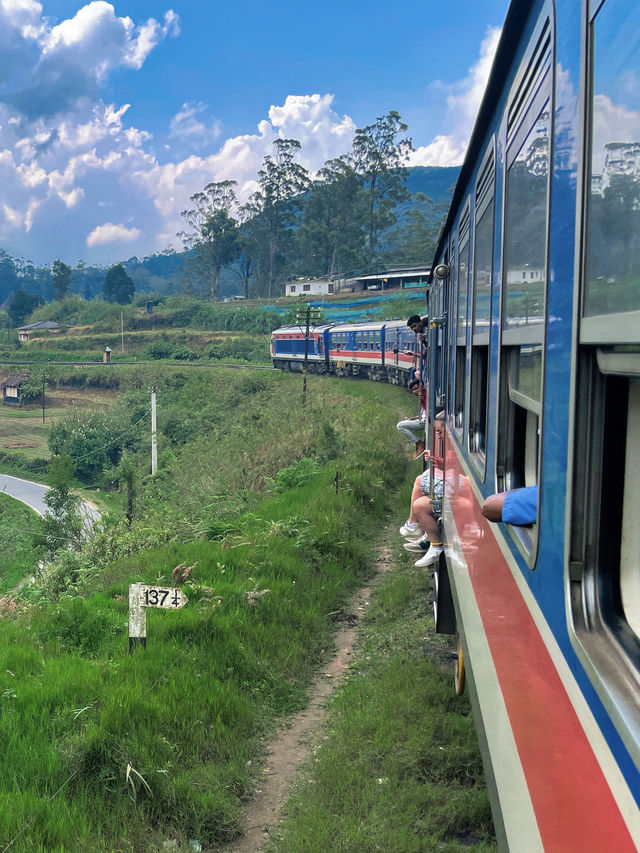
(186, 127)
(308, 118)
(110, 233)
(50, 70)
(96, 40)
(463, 100)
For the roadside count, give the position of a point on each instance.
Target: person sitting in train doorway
(517, 506)
(413, 428)
(422, 509)
(421, 530)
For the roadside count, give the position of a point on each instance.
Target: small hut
(12, 389)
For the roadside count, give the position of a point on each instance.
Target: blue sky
(113, 114)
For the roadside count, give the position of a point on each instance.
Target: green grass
(246, 490)
(18, 524)
(398, 768)
(189, 713)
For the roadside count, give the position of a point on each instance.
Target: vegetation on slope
(84, 723)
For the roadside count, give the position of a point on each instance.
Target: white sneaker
(411, 531)
(432, 556)
(418, 545)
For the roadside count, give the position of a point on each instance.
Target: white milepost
(142, 596)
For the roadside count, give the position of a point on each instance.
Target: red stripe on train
(572, 801)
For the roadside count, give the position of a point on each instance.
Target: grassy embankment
(398, 767)
(83, 723)
(18, 525)
(106, 751)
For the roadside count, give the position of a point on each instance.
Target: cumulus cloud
(110, 233)
(48, 70)
(463, 100)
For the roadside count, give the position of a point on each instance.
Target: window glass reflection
(483, 257)
(526, 229)
(613, 263)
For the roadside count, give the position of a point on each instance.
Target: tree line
(353, 215)
(330, 225)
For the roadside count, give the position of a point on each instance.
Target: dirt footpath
(292, 746)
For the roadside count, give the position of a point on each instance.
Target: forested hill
(410, 239)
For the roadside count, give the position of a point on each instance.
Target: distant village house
(42, 325)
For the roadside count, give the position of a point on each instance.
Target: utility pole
(306, 318)
(154, 441)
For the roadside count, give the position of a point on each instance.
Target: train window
(481, 310)
(612, 285)
(524, 280)
(461, 322)
(526, 234)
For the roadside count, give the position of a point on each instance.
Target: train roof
(394, 324)
(517, 15)
(359, 327)
(299, 329)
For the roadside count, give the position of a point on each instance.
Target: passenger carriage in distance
(377, 351)
(534, 356)
(357, 349)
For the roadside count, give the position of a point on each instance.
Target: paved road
(32, 494)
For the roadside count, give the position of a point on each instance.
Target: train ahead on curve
(373, 350)
(534, 379)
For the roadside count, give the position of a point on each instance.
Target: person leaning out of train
(518, 506)
(419, 325)
(413, 428)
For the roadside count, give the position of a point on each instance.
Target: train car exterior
(377, 351)
(357, 349)
(534, 356)
(288, 347)
(399, 346)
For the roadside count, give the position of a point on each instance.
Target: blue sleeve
(521, 506)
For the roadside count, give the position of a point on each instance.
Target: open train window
(481, 310)
(461, 323)
(524, 275)
(604, 559)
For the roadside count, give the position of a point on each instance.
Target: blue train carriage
(535, 356)
(399, 344)
(357, 349)
(288, 348)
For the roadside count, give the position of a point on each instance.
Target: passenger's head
(415, 323)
